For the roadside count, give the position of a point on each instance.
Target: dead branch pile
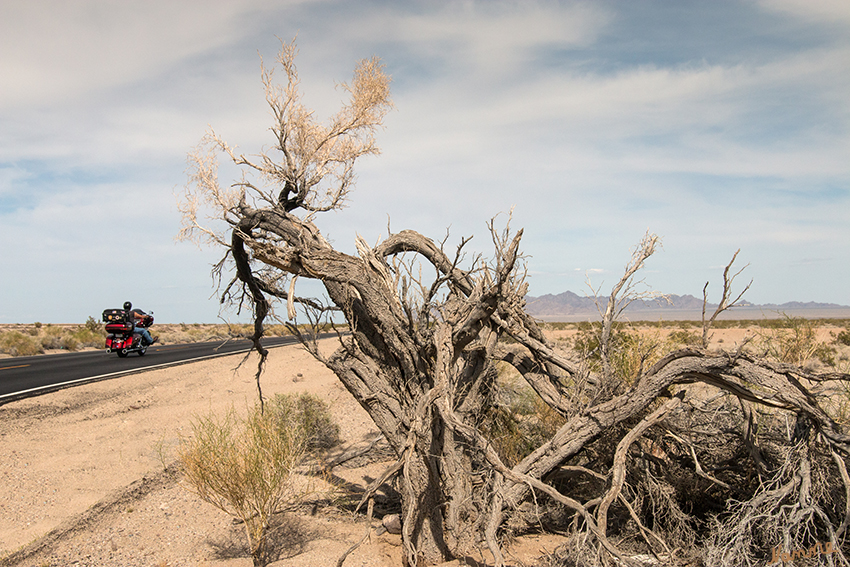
(716, 457)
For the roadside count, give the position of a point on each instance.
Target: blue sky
(717, 125)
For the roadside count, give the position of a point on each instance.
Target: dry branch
(419, 354)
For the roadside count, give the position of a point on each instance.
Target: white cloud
(701, 119)
(498, 104)
(495, 37)
(828, 12)
(61, 51)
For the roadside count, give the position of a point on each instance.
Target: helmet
(127, 306)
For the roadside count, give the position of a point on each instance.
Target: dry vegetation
(687, 476)
(37, 338)
(638, 447)
(245, 466)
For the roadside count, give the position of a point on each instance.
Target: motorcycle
(120, 338)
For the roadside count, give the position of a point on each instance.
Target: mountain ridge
(570, 304)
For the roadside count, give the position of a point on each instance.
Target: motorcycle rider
(138, 314)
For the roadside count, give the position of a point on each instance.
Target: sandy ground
(109, 442)
(85, 481)
(85, 477)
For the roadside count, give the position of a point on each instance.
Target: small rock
(392, 522)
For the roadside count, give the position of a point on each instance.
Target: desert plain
(89, 478)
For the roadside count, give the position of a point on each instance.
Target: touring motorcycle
(120, 338)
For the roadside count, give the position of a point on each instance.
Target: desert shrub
(51, 337)
(558, 326)
(311, 414)
(20, 344)
(87, 336)
(94, 325)
(58, 338)
(586, 341)
(198, 334)
(68, 342)
(683, 338)
(843, 337)
(793, 340)
(244, 467)
(519, 421)
(276, 331)
(630, 350)
(240, 330)
(515, 435)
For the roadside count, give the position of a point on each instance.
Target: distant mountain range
(569, 306)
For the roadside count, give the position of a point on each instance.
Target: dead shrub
(796, 506)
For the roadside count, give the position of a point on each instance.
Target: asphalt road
(26, 376)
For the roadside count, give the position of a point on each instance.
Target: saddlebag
(119, 327)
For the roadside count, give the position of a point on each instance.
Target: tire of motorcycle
(143, 350)
(122, 353)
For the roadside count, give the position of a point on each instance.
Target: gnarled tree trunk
(420, 356)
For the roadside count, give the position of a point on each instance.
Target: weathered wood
(419, 354)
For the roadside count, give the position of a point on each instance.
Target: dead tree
(420, 352)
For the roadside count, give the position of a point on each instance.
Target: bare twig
(726, 301)
(365, 537)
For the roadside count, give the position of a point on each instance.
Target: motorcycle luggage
(114, 315)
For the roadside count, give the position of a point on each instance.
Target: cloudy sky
(716, 125)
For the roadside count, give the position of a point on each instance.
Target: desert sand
(88, 476)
